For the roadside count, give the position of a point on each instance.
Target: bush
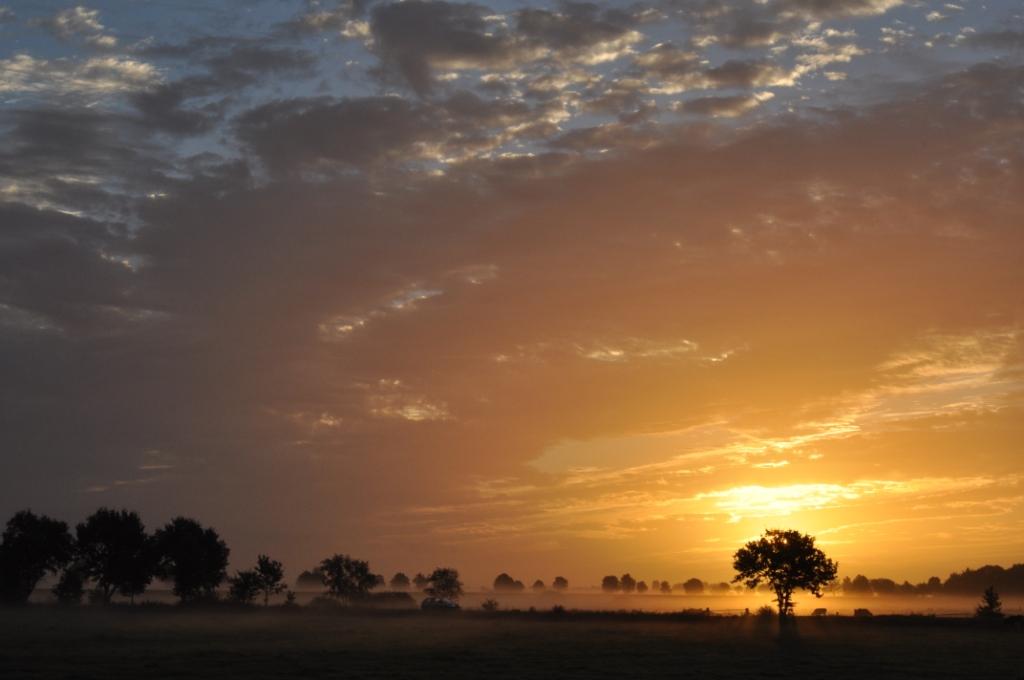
(490, 605)
(388, 600)
(325, 602)
(765, 613)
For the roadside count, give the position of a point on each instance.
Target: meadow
(43, 642)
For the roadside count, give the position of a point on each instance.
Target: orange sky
(566, 290)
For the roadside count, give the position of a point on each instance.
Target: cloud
(726, 107)
(418, 36)
(343, 295)
(94, 76)
(1004, 40)
(79, 23)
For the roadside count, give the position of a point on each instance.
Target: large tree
(31, 546)
(627, 583)
(113, 550)
(444, 582)
(785, 560)
(271, 577)
(347, 578)
(193, 556)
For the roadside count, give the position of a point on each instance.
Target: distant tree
(627, 583)
(347, 578)
(193, 556)
(420, 581)
(883, 586)
(444, 582)
(399, 582)
(665, 587)
(71, 586)
(785, 560)
(31, 546)
(504, 582)
(271, 577)
(860, 585)
(113, 549)
(560, 583)
(518, 586)
(906, 588)
(310, 578)
(244, 586)
(655, 586)
(970, 581)
(991, 606)
(693, 586)
(490, 605)
(934, 584)
(538, 585)
(721, 589)
(610, 584)
(641, 586)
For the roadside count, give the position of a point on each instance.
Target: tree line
(112, 552)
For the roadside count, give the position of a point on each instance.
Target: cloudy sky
(546, 288)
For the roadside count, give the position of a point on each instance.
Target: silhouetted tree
(193, 556)
(270, 575)
(883, 586)
(244, 586)
(641, 586)
(420, 581)
(504, 582)
(860, 585)
(991, 607)
(71, 586)
(444, 582)
(785, 560)
(560, 583)
(113, 550)
(721, 589)
(969, 581)
(655, 585)
(399, 582)
(538, 585)
(627, 583)
(310, 578)
(666, 587)
(31, 546)
(610, 584)
(347, 578)
(693, 586)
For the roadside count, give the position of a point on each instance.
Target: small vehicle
(439, 604)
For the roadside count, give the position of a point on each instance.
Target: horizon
(544, 288)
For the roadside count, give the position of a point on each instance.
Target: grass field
(165, 642)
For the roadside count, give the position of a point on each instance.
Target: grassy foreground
(151, 643)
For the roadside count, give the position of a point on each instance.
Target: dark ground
(165, 642)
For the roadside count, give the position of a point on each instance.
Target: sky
(552, 289)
